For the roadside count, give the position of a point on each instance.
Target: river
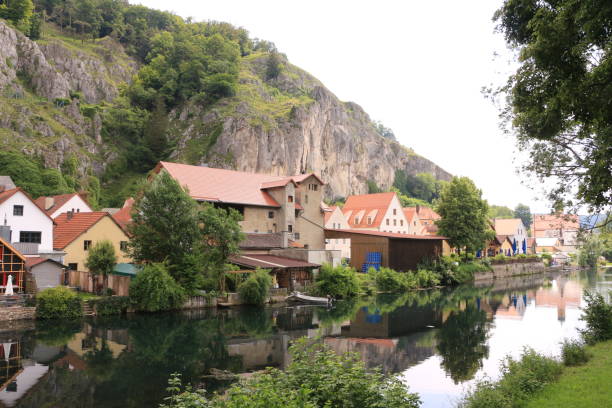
(438, 341)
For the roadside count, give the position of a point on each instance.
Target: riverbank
(584, 386)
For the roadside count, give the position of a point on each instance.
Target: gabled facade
(269, 204)
(59, 204)
(335, 219)
(13, 263)
(24, 222)
(76, 233)
(376, 212)
(514, 229)
(562, 226)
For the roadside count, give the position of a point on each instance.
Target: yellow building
(76, 233)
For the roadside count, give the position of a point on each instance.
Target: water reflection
(438, 339)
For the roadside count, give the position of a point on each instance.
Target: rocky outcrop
(325, 135)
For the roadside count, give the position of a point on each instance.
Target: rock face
(333, 138)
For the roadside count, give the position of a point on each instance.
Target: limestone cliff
(52, 91)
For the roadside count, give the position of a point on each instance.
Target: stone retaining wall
(512, 268)
(17, 313)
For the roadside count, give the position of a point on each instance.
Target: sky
(416, 66)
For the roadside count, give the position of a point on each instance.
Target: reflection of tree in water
(57, 332)
(462, 343)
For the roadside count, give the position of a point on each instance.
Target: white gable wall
(338, 221)
(397, 221)
(76, 203)
(33, 219)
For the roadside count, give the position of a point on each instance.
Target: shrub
(465, 271)
(426, 279)
(500, 257)
(254, 290)
(57, 303)
(520, 379)
(574, 353)
(598, 317)
(110, 305)
(155, 290)
(388, 280)
(340, 281)
(316, 377)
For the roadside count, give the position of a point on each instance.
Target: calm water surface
(438, 341)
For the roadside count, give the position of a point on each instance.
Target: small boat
(298, 297)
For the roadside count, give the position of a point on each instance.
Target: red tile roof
(544, 222)
(410, 212)
(58, 201)
(123, 217)
(5, 195)
(67, 230)
(366, 206)
(33, 261)
(426, 213)
(228, 186)
(386, 234)
(270, 261)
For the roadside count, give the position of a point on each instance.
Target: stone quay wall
(512, 268)
(8, 314)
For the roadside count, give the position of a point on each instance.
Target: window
(30, 236)
(296, 235)
(18, 210)
(86, 245)
(394, 211)
(387, 221)
(73, 266)
(270, 214)
(269, 231)
(306, 198)
(394, 223)
(313, 187)
(415, 223)
(402, 223)
(369, 220)
(123, 245)
(356, 220)
(290, 228)
(290, 199)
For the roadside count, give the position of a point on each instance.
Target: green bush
(520, 380)
(598, 317)
(465, 271)
(340, 281)
(57, 303)
(110, 305)
(426, 279)
(500, 257)
(254, 290)
(388, 280)
(316, 377)
(574, 353)
(155, 290)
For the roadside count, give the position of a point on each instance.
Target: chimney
(84, 195)
(5, 231)
(49, 202)
(70, 214)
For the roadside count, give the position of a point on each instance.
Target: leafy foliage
(464, 215)
(523, 212)
(254, 290)
(101, 260)
(598, 317)
(500, 211)
(18, 12)
(574, 353)
(422, 186)
(520, 380)
(58, 303)
(316, 377)
(110, 305)
(340, 281)
(558, 99)
(590, 249)
(154, 290)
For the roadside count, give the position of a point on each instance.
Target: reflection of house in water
(403, 320)
(509, 306)
(561, 294)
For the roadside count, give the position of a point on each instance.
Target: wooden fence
(86, 282)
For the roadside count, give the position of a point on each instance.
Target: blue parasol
(524, 246)
(514, 246)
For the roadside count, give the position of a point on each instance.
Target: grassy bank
(583, 386)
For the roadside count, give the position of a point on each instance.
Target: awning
(270, 262)
(126, 269)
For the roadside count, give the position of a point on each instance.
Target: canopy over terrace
(290, 273)
(401, 252)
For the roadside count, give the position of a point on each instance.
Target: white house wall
(33, 219)
(76, 203)
(401, 224)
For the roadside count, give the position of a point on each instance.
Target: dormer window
(356, 220)
(369, 220)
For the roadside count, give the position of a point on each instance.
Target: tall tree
(165, 229)
(523, 212)
(464, 215)
(558, 101)
(101, 260)
(500, 211)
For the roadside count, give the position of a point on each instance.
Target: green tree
(373, 187)
(590, 249)
(165, 229)
(464, 215)
(500, 211)
(273, 65)
(154, 290)
(558, 100)
(19, 12)
(523, 212)
(409, 201)
(101, 260)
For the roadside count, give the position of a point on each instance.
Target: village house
(269, 204)
(547, 244)
(427, 218)
(22, 222)
(335, 219)
(46, 273)
(59, 204)
(381, 212)
(514, 229)
(76, 233)
(562, 226)
(13, 263)
(500, 244)
(413, 220)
